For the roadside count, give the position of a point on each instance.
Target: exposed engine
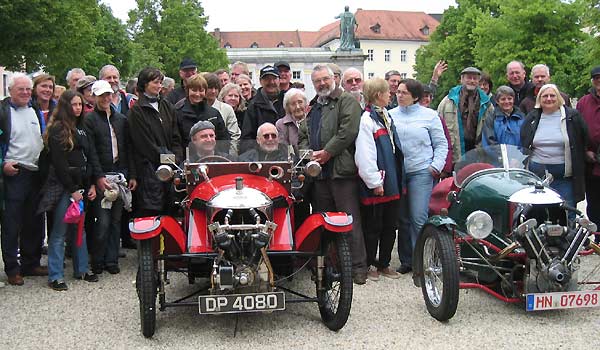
(551, 246)
(241, 236)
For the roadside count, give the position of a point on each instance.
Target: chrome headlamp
(479, 224)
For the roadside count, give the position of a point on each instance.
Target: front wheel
(335, 299)
(146, 288)
(439, 278)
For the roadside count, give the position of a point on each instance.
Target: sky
(310, 15)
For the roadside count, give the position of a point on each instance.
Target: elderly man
(463, 110)
(515, 74)
(393, 78)
(540, 76)
(204, 141)
(266, 106)
(330, 130)
(285, 76)
(187, 68)
(268, 147)
(223, 76)
(337, 74)
(238, 68)
(352, 81)
(589, 107)
(73, 76)
(168, 85)
(21, 143)
(121, 100)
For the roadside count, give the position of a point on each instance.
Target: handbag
(74, 213)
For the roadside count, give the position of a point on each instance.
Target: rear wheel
(439, 278)
(146, 288)
(335, 300)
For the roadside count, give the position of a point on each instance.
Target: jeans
(56, 244)
(22, 229)
(414, 211)
(107, 233)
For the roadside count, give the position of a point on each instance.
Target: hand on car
(10, 168)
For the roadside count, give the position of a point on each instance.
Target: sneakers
(97, 270)
(88, 277)
(112, 269)
(389, 273)
(404, 269)
(58, 285)
(373, 274)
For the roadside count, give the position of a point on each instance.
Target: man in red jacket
(589, 107)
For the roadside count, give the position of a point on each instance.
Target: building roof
(372, 25)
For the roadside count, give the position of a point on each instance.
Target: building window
(254, 45)
(227, 46)
(370, 75)
(387, 55)
(376, 28)
(403, 75)
(425, 30)
(402, 55)
(281, 44)
(370, 55)
(296, 74)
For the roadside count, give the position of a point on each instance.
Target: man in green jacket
(464, 110)
(330, 130)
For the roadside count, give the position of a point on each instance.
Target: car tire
(335, 300)
(146, 288)
(438, 272)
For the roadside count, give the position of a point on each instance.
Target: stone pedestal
(346, 59)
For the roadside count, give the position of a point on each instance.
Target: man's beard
(115, 88)
(326, 92)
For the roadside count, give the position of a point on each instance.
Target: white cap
(101, 87)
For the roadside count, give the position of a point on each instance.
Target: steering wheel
(213, 158)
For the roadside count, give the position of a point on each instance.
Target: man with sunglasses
(352, 80)
(267, 148)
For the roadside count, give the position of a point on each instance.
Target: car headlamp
(479, 224)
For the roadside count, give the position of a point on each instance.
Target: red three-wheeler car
(237, 234)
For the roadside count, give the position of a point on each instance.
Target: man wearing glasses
(268, 147)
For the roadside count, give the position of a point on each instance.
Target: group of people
(381, 148)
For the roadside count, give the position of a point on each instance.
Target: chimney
(217, 34)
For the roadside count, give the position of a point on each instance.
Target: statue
(347, 27)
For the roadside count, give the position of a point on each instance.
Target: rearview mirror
(167, 158)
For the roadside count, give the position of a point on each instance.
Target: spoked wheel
(336, 298)
(146, 288)
(439, 278)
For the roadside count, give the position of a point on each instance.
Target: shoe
(37, 271)
(389, 273)
(58, 285)
(113, 269)
(128, 244)
(404, 269)
(360, 278)
(373, 274)
(16, 280)
(88, 277)
(122, 253)
(96, 270)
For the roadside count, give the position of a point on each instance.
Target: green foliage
(490, 33)
(165, 31)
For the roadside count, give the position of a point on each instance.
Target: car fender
(308, 235)
(445, 222)
(440, 220)
(152, 226)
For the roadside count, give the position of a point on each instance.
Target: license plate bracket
(241, 303)
(562, 300)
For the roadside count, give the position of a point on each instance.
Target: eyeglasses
(353, 80)
(322, 80)
(271, 136)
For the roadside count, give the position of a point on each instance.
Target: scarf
(469, 109)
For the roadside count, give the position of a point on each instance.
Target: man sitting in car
(204, 142)
(268, 147)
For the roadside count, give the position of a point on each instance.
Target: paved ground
(385, 314)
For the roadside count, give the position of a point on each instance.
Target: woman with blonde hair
(379, 160)
(557, 136)
(231, 94)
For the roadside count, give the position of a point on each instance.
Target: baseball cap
(472, 70)
(269, 70)
(595, 71)
(85, 82)
(187, 63)
(101, 87)
(282, 64)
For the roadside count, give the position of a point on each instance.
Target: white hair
(17, 76)
(105, 68)
(541, 66)
(168, 82)
(511, 62)
(262, 126)
(74, 70)
(291, 93)
(320, 67)
(351, 70)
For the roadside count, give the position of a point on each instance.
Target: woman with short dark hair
(505, 126)
(425, 147)
(153, 131)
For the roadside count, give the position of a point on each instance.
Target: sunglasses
(272, 136)
(353, 80)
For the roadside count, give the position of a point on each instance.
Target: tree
(165, 31)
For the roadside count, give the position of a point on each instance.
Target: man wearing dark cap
(285, 76)
(589, 107)
(463, 110)
(187, 68)
(266, 106)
